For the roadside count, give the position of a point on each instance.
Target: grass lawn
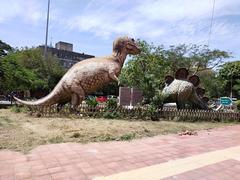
(22, 132)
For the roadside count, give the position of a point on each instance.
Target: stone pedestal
(129, 96)
(124, 96)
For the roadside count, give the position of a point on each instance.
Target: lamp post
(46, 38)
(231, 84)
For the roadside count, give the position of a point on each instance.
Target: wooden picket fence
(200, 114)
(137, 112)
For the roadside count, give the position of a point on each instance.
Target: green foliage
(238, 104)
(26, 69)
(157, 100)
(92, 102)
(110, 111)
(148, 69)
(111, 103)
(229, 73)
(15, 75)
(194, 57)
(18, 109)
(111, 88)
(111, 114)
(213, 85)
(236, 87)
(151, 113)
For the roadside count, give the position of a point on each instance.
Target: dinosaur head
(127, 45)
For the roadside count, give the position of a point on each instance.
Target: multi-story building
(64, 52)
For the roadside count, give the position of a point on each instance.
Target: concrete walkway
(213, 154)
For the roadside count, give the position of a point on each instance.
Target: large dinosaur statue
(89, 75)
(183, 89)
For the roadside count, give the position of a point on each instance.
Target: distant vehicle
(101, 99)
(89, 97)
(2, 97)
(111, 96)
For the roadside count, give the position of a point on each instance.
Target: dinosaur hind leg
(74, 100)
(77, 97)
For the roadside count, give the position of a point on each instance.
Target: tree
(211, 82)
(26, 69)
(49, 71)
(230, 75)
(147, 70)
(236, 87)
(110, 89)
(15, 76)
(195, 57)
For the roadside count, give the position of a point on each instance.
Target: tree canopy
(230, 76)
(148, 70)
(26, 69)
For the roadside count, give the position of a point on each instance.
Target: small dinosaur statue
(89, 75)
(184, 89)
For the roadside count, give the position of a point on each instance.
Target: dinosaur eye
(133, 40)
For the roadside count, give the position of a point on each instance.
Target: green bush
(111, 114)
(110, 111)
(92, 102)
(238, 105)
(157, 100)
(18, 109)
(111, 103)
(152, 109)
(151, 113)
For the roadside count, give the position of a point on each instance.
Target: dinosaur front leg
(180, 105)
(113, 76)
(181, 100)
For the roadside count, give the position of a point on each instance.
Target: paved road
(213, 154)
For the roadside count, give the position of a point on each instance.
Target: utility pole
(46, 38)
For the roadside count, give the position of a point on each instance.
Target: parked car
(89, 97)
(111, 96)
(101, 99)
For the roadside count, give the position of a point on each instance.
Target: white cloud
(152, 19)
(158, 21)
(30, 11)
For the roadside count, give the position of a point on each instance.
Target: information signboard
(225, 101)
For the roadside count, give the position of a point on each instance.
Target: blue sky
(92, 25)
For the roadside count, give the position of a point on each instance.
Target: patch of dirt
(22, 132)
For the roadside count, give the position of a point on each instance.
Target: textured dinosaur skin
(89, 75)
(183, 91)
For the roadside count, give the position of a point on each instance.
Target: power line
(211, 25)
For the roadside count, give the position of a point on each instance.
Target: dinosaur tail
(48, 100)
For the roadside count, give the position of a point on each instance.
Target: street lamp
(46, 38)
